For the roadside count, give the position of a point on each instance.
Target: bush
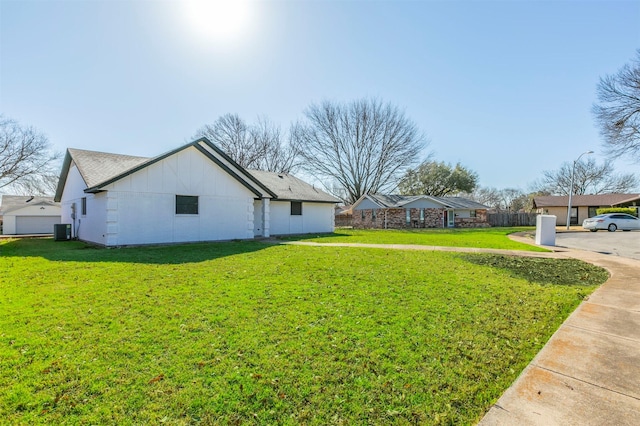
(628, 210)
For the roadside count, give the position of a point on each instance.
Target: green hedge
(627, 210)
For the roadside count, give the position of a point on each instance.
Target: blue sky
(504, 87)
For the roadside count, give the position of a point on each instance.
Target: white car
(611, 222)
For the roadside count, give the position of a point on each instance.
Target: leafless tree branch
(27, 164)
(259, 146)
(618, 110)
(363, 146)
(590, 178)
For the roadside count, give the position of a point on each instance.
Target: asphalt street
(619, 243)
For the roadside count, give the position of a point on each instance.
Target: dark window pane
(186, 204)
(296, 208)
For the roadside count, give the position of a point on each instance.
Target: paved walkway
(589, 371)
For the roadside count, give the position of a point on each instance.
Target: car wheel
(593, 230)
(612, 227)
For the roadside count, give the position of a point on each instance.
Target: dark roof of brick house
(398, 201)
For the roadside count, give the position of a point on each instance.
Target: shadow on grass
(302, 237)
(568, 272)
(76, 251)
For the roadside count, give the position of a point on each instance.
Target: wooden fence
(512, 219)
(343, 220)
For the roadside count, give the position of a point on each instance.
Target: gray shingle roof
(585, 200)
(13, 202)
(101, 168)
(397, 201)
(97, 167)
(288, 187)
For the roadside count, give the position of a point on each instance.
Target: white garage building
(29, 215)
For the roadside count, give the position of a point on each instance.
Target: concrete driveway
(619, 243)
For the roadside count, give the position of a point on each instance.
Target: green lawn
(250, 333)
(456, 237)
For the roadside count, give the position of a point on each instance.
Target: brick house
(380, 211)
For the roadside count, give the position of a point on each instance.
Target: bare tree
(259, 146)
(278, 156)
(506, 199)
(488, 196)
(590, 178)
(618, 113)
(513, 199)
(438, 179)
(364, 146)
(27, 163)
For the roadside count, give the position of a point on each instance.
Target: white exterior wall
(9, 219)
(316, 217)
(140, 208)
(92, 226)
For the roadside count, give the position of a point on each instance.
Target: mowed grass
(456, 237)
(249, 333)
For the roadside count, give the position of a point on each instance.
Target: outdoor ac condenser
(62, 232)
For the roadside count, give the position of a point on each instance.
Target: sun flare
(218, 20)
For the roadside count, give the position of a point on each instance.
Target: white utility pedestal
(546, 230)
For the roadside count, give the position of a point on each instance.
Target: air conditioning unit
(62, 232)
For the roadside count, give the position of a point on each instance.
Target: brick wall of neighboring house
(397, 219)
(480, 221)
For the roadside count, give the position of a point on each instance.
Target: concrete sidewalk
(589, 371)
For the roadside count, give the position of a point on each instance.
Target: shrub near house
(631, 211)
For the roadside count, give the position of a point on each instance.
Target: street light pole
(573, 173)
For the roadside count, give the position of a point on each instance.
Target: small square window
(473, 213)
(296, 208)
(84, 206)
(186, 204)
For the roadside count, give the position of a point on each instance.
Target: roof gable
(99, 169)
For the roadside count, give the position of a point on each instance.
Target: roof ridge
(106, 153)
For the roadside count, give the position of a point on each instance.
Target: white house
(28, 214)
(193, 193)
